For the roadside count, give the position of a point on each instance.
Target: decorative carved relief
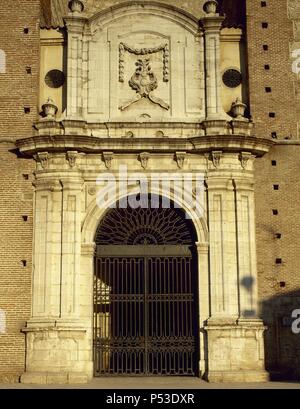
(144, 81)
(180, 158)
(108, 157)
(91, 190)
(71, 157)
(144, 51)
(42, 158)
(144, 158)
(216, 158)
(244, 157)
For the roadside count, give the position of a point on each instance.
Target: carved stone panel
(145, 66)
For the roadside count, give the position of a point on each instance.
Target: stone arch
(170, 12)
(94, 214)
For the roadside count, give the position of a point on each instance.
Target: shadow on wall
(282, 342)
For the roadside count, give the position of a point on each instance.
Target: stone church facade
(195, 106)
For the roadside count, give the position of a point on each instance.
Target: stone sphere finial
(76, 6)
(49, 109)
(210, 7)
(238, 109)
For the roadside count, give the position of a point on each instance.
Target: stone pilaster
(75, 26)
(212, 25)
(234, 336)
(71, 245)
(47, 250)
(223, 270)
(204, 302)
(246, 247)
(59, 334)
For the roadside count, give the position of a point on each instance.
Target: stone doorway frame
(95, 215)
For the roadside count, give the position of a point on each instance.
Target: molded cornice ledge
(232, 143)
(198, 144)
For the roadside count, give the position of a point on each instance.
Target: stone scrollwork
(144, 159)
(43, 159)
(180, 158)
(71, 157)
(107, 158)
(91, 190)
(216, 158)
(244, 158)
(144, 51)
(144, 81)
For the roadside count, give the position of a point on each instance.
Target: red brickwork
(18, 90)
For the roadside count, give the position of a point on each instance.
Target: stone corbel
(180, 158)
(244, 157)
(43, 159)
(216, 158)
(107, 158)
(144, 158)
(71, 157)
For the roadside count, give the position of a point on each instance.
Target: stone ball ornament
(76, 6)
(238, 109)
(210, 7)
(49, 109)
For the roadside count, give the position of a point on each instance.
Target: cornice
(90, 144)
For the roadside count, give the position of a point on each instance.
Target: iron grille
(144, 314)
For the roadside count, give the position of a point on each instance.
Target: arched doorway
(145, 293)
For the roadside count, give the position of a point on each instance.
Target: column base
(59, 353)
(237, 376)
(48, 378)
(235, 350)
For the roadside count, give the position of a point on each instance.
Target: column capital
(219, 183)
(212, 24)
(202, 247)
(246, 184)
(88, 249)
(45, 184)
(72, 183)
(75, 24)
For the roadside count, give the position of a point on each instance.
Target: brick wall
(278, 281)
(279, 77)
(18, 89)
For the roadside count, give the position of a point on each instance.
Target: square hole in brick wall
(272, 114)
(267, 67)
(274, 163)
(275, 212)
(282, 284)
(274, 135)
(264, 25)
(278, 261)
(278, 235)
(263, 4)
(268, 89)
(265, 47)
(26, 30)
(276, 187)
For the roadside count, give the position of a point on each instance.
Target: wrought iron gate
(145, 315)
(145, 320)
